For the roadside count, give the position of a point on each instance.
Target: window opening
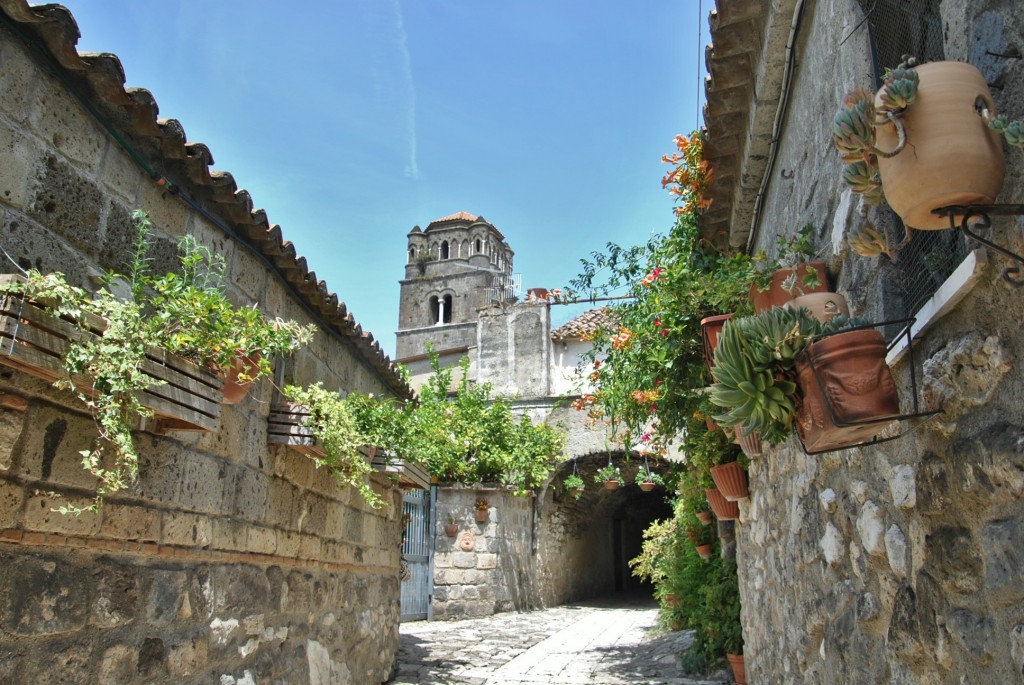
(412, 255)
(446, 314)
(478, 245)
(435, 309)
(444, 249)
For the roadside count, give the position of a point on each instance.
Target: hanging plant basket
(724, 509)
(776, 295)
(849, 395)
(611, 484)
(951, 157)
(731, 480)
(710, 327)
(647, 486)
(33, 341)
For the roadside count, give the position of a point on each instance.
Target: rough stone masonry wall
(229, 560)
(487, 567)
(903, 562)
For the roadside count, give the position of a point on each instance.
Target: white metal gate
(417, 584)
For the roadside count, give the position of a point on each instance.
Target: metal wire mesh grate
(897, 29)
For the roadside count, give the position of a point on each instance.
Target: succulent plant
(753, 370)
(868, 242)
(853, 128)
(899, 89)
(1012, 131)
(864, 179)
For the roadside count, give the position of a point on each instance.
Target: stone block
(161, 469)
(122, 522)
(115, 599)
(167, 213)
(1003, 551)
(17, 79)
(251, 490)
(60, 120)
(121, 175)
(186, 530)
(12, 497)
(952, 555)
(202, 487)
(52, 597)
(896, 550)
(976, 634)
(51, 447)
(229, 535)
(902, 487)
(486, 561)
(239, 590)
(67, 203)
(464, 560)
(309, 547)
(247, 274)
(282, 500)
(442, 560)
(20, 154)
(870, 527)
(261, 540)
(288, 544)
(165, 595)
(471, 593)
(117, 665)
(352, 532)
(41, 514)
(188, 657)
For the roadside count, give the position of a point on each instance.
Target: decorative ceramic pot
(704, 517)
(739, 668)
(710, 327)
(451, 529)
(776, 295)
(723, 508)
(823, 306)
(647, 486)
(731, 480)
(704, 551)
(481, 515)
(848, 392)
(749, 442)
(951, 157)
(235, 391)
(611, 484)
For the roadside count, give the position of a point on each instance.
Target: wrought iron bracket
(981, 216)
(915, 413)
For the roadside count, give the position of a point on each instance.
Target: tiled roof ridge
(587, 322)
(133, 111)
(466, 216)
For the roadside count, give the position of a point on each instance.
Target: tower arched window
(446, 315)
(479, 246)
(440, 309)
(444, 249)
(412, 255)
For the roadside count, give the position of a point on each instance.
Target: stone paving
(608, 642)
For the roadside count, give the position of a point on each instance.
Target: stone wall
(229, 560)
(902, 562)
(487, 567)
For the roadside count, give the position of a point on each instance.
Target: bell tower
(458, 265)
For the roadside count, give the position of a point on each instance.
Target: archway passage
(585, 544)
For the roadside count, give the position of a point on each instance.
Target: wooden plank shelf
(284, 427)
(34, 341)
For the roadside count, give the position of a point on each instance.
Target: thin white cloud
(412, 168)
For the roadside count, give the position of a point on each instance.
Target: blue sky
(351, 121)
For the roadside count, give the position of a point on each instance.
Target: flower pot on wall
(710, 327)
(451, 529)
(611, 484)
(235, 390)
(776, 295)
(739, 668)
(951, 157)
(724, 509)
(749, 442)
(481, 515)
(731, 480)
(847, 374)
(823, 306)
(704, 517)
(704, 551)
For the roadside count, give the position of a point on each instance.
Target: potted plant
(481, 509)
(731, 480)
(610, 476)
(710, 328)
(451, 527)
(790, 274)
(749, 441)
(574, 484)
(943, 113)
(648, 480)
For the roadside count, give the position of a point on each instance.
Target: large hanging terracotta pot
(846, 373)
(951, 157)
(776, 295)
(749, 441)
(731, 480)
(724, 509)
(234, 390)
(710, 327)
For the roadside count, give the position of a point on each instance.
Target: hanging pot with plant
(792, 273)
(451, 527)
(929, 138)
(481, 509)
(610, 476)
(731, 480)
(723, 509)
(573, 483)
(710, 327)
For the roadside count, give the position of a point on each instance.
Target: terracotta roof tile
(588, 322)
(460, 216)
(162, 142)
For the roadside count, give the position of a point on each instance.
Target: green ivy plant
(186, 313)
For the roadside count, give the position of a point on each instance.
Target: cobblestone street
(608, 642)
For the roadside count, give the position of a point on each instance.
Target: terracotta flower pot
(647, 486)
(235, 391)
(451, 529)
(731, 480)
(951, 157)
(723, 508)
(704, 517)
(481, 515)
(776, 295)
(846, 373)
(710, 327)
(823, 306)
(611, 484)
(704, 551)
(749, 442)
(576, 492)
(672, 600)
(739, 668)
